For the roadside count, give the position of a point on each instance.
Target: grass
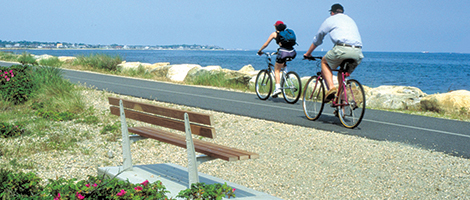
(55, 96)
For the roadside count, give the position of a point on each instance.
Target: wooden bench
(200, 124)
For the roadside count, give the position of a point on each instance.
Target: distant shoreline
(104, 49)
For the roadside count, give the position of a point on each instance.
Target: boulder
(248, 69)
(42, 57)
(67, 59)
(159, 64)
(160, 71)
(394, 97)
(178, 72)
(454, 102)
(236, 77)
(134, 65)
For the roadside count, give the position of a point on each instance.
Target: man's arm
(310, 50)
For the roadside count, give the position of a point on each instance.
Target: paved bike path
(442, 135)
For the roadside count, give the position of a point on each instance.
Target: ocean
(430, 72)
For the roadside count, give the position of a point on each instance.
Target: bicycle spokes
(352, 104)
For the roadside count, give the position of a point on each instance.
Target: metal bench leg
(192, 162)
(126, 146)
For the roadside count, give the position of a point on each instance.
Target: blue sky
(389, 26)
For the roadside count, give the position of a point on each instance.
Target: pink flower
(138, 188)
(123, 192)
(87, 185)
(8, 79)
(233, 190)
(145, 183)
(94, 185)
(57, 197)
(79, 196)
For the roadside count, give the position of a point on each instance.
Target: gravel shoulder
(295, 162)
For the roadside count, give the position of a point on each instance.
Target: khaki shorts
(335, 56)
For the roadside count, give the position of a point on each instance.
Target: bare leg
(277, 72)
(327, 74)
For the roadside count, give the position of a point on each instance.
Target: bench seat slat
(242, 154)
(207, 148)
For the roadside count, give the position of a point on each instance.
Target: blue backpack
(287, 38)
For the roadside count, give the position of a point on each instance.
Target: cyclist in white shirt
(348, 45)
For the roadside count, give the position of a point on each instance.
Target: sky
(384, 25)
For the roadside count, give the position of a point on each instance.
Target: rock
(159, 64)
(160, 71)
(394, 97)
(212, 68)
(133, 65)
(247, 69)
(67, 59)
(454, 102)
(42, 57)
(236, 77)
(178, 72)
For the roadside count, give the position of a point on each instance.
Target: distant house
(60, 45)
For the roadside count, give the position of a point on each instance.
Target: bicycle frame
(341, 88)
(271, 69)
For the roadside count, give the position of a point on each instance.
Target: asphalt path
(449, 136)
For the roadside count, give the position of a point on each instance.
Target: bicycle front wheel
(291, 87)
(353, 104)
(263, 84)
(314, 93)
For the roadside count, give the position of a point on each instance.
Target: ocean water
(431, 72)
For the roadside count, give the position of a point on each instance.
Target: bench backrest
(201, 124)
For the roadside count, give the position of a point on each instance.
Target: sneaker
(330, 95)
(276, 92)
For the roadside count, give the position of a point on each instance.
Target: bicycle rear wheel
(352, 112)
(314, 93)
(291, 87)
(263, 84)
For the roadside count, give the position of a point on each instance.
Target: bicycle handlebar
(312, 57)
(266, 53)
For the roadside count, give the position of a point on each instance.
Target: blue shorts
(284, 55)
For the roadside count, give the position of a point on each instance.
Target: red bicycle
(349, 102)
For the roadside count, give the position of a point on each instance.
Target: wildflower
(94, 185)
(57, 197)
(87, 185)
(145, 183)
(138, 188)
(233, 190)
(79, 196)
(123, 192)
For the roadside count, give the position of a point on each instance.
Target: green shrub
(210, 192)
(11, 130)
(27, 59)
(16, 84)
(52, 62)
(8, 56)
(99, 61)
(55, 116)
(19, 185)
(111, 128)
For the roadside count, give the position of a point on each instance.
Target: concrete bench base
(175, 179)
